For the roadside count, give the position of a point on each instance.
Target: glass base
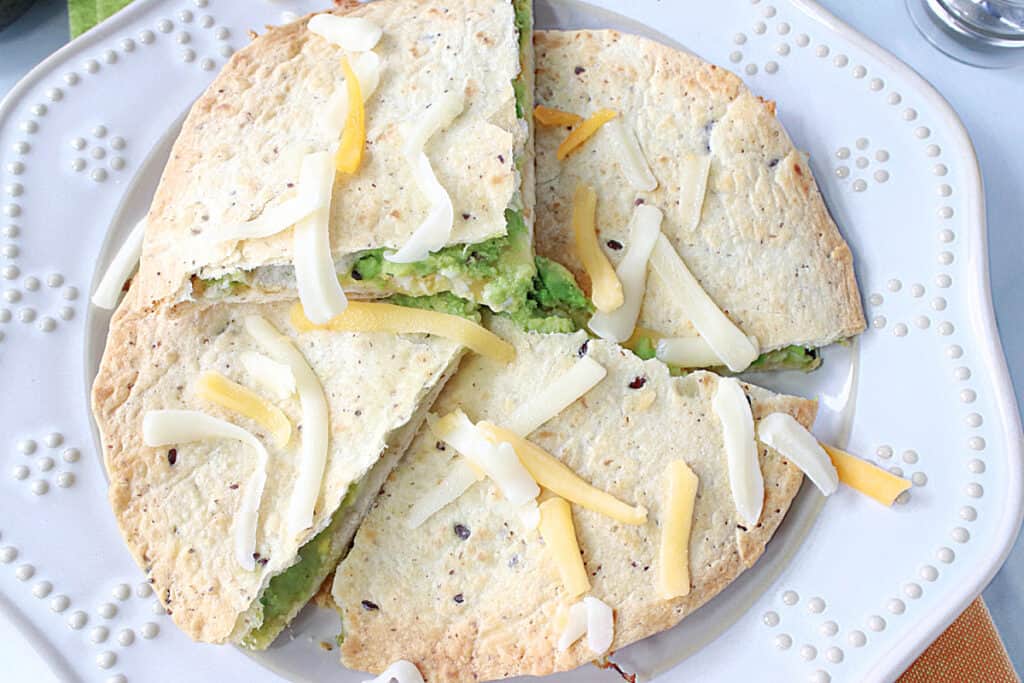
(950, 34)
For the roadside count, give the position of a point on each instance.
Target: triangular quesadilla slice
(740, 204)
(228, 510)
(473, 593)
(438, 197)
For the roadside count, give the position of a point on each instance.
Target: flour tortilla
(177, 519)
(766, 249)
(240, 148)
(512, 604)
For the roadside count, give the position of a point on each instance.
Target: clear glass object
(988, 33)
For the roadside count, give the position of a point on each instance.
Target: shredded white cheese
(745, 479)
(313, 455)
(459, 479)
(315, 273)
(276, 378)
(631, 156)
(354, 34)
(600, 625)
(688, 352)
(782, 432)
(434, 231)
(108, 291)
(166, 427)
(729, 343)
(556, 396)
(529, 514)
(499, 462)
(693, 185)
(399, 672)
(575, 626)
(644, 230)
(367, 67)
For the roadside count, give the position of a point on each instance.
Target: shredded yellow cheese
(555, 476)
(583, 132)
(364, 316)
(559, 534)
(868, 479)
(606, 289)
(216, 388)
(549, 116)
(674, 548)
(353, 138)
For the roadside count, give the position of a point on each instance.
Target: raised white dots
(944, 555)
(881, 176)
(842, 172)
(896, 606)
(910, 457)
(5, 315)
(59, 603)
(876, 84)
(894, 285)
(946, 328)
(12, 296)
(77, 620)
(940, 169)
(8, 554)
(736, 57)
(188, 55)
(939, 304)
(820, 676)
(859, 185)
(834, 655)
(808, 652)
(946, 212)
(884, 452)
(164, 26)
(149, 630)
(922, 132)
(119, 678)
(99, 634)
(974, 490)
(828, 629)
(973, 420)
(919, 478)
(126, 637)
(40, 487)
(768, 12)
(15, 167)
(14, 189)
(968, 513)
(946, 235)
(25, 572)
(771, 67)
(909, 114)
(862, 143)
(760, 27)
(770, 618)
(945, 257)
(20, 472)
(782, 49)
(147, 37)
(45, 464)
(739, 38)
(862, 162)
(65, 480)
(960, 535)
(900, 330)
(221, 33)
(750, 69)
(29, 127)
(98, 175)
(840, 61)
(815, 605)
(98, 153)
(975, 466)
(122, 591)
(39, 109)
(857, 638)
(207, 21)
(12, 210)
(929, 573)
(185, 15)
(27, 315)
(117, 163)
(143, 590)
(876, 623)
(105, 660)
(954, 351)
(876, 299)
(822, 51)
(109, 56)
(208, 65)
(10, 272)
(912, 591)
(127, 44)
(894, 98)
(922, 322)
(968, 395)
(183, 38)
(898, 471)
(859, 71)
(803, 40)
(783, 641)
(42, 589)
(878, 322)
(107, 610)
(10, 251)
(71, 455)
(157, 608)
(976, 443)
(790, 598)
(78, 165)
(91, 65)
(903, 498)
(943, 280)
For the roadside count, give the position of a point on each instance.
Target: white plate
(848, 591)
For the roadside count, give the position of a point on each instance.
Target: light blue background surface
(991, 104)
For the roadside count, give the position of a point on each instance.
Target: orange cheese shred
(867, 478)
(353, 138)
(549, 116)
(605, 286)
(584, 131)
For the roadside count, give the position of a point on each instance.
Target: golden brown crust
(766, 249)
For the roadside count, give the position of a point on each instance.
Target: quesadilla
(439, 195)
(473, 593)
(740, 204)
(266, 447)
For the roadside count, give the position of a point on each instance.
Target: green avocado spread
(787, 358)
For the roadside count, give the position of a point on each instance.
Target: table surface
(994, 126)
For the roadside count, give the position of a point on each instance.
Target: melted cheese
(401, 671)
(556, 396)
(645, 227)
(554, 475)
(606, 290)
(864, 477)
(108, 291)
(436, 228)
(354, 34)
(693, 185)
(274, 377)
(728, 342)
(688, 352)
(783, 433)
(315, 274)
(631, 157)
(167, 427)
(549, 116)
(500, 462)
(600, 625)
(216, 388)
(353, 137)
(733, 410)
(575, 626)
(367, 68)
(677, 523)
(559, 534)
(459, 479)
(363, 316)
(584, 131)
(313, 455)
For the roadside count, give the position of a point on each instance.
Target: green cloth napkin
(84, 14)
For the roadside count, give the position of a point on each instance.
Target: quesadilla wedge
(234, 523)
(740, 204)
(473, 593)
(446, 121)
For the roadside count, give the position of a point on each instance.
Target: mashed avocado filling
(787, 358)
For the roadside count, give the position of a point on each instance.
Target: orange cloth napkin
(969, 651)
